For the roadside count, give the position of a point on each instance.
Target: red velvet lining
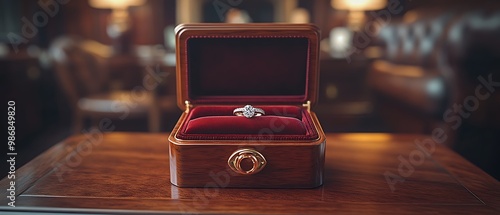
(242, 68)
(218, 122)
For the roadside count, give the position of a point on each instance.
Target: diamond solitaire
(248, 111)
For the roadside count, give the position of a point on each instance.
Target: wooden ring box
(224, 66)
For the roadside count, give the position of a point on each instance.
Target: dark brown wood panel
(128, 172)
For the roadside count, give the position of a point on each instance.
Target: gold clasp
(307, 105)
(258, 161)
(188, 106)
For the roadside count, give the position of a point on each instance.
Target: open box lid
(233, 64)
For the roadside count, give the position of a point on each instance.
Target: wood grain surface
(129, 173)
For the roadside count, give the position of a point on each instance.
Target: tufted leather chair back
(418, 38)
(450, 46)
(474, 39)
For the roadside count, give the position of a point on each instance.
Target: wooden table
(129, 173)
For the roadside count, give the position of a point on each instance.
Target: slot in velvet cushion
(218, 122)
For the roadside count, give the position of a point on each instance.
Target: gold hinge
(307, 105)
(188, 106)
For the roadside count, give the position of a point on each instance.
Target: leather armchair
(428, 78)
(82, 70)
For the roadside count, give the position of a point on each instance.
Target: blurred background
(396, 66)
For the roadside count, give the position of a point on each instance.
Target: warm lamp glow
(119, 22)
(358, 5)
(299, 15)
(357, 10)
(115, 4)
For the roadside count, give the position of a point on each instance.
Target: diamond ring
(248, 111)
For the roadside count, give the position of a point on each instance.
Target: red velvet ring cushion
(218, 122)
(242, 125)
(283, 110)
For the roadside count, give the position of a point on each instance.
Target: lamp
(119, 23)
(357, 10)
